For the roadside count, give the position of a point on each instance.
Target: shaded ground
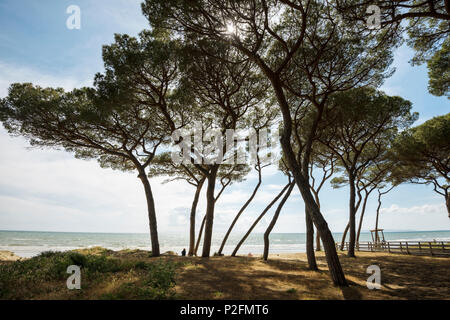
(129, 274)
(285, 276)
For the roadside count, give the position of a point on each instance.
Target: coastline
(27, 244)
(6, 255)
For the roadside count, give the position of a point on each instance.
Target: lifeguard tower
(377, 236)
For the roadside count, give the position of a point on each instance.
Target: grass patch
(45, 275)
(291, 290)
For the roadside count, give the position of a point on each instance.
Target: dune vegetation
(135, 274)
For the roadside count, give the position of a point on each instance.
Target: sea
(31, 243)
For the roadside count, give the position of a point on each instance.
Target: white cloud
(51, 190)
(15, 73)
(430, 216)
(423, 210)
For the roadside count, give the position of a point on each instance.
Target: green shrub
(157, 282)
(47, 272)
(30, 274)
(291, 290)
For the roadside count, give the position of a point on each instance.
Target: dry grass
(285, 276)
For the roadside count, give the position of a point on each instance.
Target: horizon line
(102, 232)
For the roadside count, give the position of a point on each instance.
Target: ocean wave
(20, 244)
(427, 239)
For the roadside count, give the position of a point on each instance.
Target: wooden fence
(433, 248)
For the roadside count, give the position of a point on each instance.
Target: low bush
(47, 272)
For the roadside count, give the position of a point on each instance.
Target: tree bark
(151, 213)
(334, 265)
(240, 212)
(352, 218)
(380, 194)
(258, 219)
(316, 197)
(376, 220)
(200, 233)
(274, 221)
(363, 210)
(318, 241)
(312, 265)
(210, 203)
(192, 218)
(447, 202)
(344, 235)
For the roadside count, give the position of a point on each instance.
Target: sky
(50, 190)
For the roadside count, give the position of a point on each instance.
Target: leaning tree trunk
(240, 212)
(318, 241)
(274, 221)
(258, 219)
(363, 210)
(334, 265)
(316, 197)
(352, 218)
(447, 202)
(376, 220)
(151, 214)
(344, 235)
(192, 219)
(200, 233)
(312, 265)
(210, 203)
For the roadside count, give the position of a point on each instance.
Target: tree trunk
(318, 241)
(334, 266)
(352, 218)
(240, 212)
(200, 233)
(151, 214)
(316, 197)
(447, 202)
(258, 219)
(344, 235)
(380, 194)
(210, 203)
(376, 220)
(363, 210)
(312, 265)
(274, 221)
(192, 220)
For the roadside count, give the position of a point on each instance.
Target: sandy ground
(8, 256)
(285, 276)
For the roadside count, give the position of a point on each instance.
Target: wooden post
(431, 248)
(401, 249)
(420, 248)
(407, 248)
(389, 247)
(443, 247)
